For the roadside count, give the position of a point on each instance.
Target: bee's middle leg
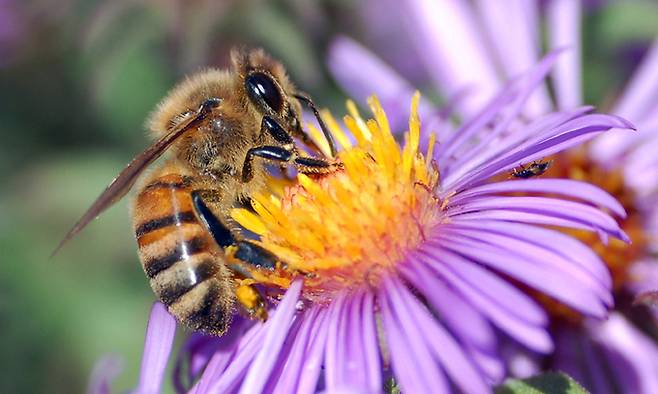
(306, 165)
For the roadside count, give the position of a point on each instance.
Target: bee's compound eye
(260, 86)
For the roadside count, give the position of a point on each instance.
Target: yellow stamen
(348, 229)
(248, 220)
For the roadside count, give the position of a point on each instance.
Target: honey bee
(221, 128)
(535, 168)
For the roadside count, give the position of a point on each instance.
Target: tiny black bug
(535, 168)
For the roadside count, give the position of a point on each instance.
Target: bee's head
(268, 87)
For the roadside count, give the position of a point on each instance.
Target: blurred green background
(77, 79)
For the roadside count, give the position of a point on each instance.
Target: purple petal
(220, 377)
(618, 335)
(412, 362)
(541, 257)
(471, 327)
(106, 369)
(525, 217)
(220, 374)
(570, 210)
(609, 149)
(288, 379)
(637, 103)
(645, 276)
(335, 354)
(567, 187)
(483, 297)
(275, 335)
(497, 310)
(369, 336)
(520, 363)
(514, 301)
(516, 44)
(625, 374)
(352, 357)
(157, 347)
(641, 164)
(575, 132)
(489, 363)
(200, 349)
(310, 370)
(564, 246)
(568, 356)
(441, 29)
(522, 263)
(595, 364)
(491, 145)
(642, 91)
(564, 32)
(361, 73)
(293, 337)
(454, 361)
(355, 364)
(504, 108)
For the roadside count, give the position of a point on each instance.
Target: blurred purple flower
(431, 317)
(479, 44)
(107, 368)
(11, 30)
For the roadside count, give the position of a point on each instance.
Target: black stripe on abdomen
(156, 224)
(185, 279)
(155, 265)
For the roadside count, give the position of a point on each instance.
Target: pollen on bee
(246, 295)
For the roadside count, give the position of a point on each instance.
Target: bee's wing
(127, 178)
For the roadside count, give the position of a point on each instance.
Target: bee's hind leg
(243, 251)
(246, 253)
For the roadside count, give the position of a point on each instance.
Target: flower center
(349, 229)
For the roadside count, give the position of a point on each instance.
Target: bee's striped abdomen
(179, 255)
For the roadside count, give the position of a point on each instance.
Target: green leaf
(548, 383)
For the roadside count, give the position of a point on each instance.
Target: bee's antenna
(327, 134)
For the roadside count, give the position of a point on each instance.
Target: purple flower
(454, 32)
(157, 347)
(107, 368)
(405, 264)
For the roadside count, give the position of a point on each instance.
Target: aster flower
(107, 368)
(405, 264)
(625, 164)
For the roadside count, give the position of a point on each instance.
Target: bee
(221, 129)
(535, 168)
